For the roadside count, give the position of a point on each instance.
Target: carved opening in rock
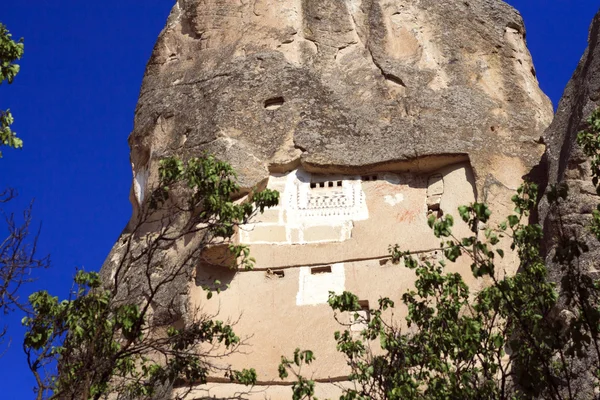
(278, 273)
(359, 319)
(214, 277)
(435, 190)
(367, 178)
(325, 184)
(274, 103)
(320, 270)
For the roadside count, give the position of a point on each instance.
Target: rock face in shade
(568, 165)
(365, 115)
(566, 162)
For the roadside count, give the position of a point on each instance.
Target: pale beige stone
(380, 96)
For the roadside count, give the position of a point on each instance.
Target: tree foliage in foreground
(17, 258)
(110, 339)
(10, 52)
(18, 244)
(522, 337)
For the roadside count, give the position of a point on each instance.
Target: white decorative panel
(314, 286)
(312, 209)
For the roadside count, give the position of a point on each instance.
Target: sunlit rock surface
(367, 116)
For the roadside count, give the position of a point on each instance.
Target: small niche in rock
(278, 273)
(320, 270)
(274, 103)
(395, 79)
(360, 318)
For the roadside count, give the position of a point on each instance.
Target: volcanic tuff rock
(342, 85)
(568, 165)
(366, 115)
(566, 162)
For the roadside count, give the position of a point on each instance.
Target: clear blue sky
(74, 102)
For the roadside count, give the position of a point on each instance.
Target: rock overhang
(207, 91)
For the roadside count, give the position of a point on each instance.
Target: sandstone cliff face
(568, 165)
(366, 115)
(566, 162)
(342, 86)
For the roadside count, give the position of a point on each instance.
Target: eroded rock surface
(367, 115)
(566, 162)
(568, 165)
(342, 85)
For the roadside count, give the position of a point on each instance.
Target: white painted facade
(314, 284)
(313, 209)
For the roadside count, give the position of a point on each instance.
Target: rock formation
(565, 161)
(566, 164)
(366, 115)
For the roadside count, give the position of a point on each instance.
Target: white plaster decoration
(314, 288)
(313, 209)
(140, 179)
(395, 199)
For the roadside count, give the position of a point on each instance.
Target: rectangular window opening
(360, 319)
(279, 273)
(339, 183)
(313, 185)
(330, 184)
(320, 270)
(364, 305)
(321, 184)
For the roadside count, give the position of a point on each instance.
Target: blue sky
(74, 103)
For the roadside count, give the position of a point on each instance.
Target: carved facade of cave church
(329, 233)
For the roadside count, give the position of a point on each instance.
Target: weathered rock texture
(565, 160)
(382, 96)
(338, 85)
(568, 165)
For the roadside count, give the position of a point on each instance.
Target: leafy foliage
(113, 338)
(302, 388)
(10, 52)
(18, 257)
(521, 337)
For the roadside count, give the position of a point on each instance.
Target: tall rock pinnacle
(366, 115)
